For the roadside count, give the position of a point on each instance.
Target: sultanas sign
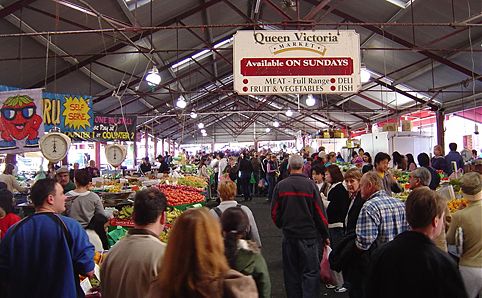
(303, 62)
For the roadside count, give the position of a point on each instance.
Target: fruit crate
(111, 199)
(187, 206)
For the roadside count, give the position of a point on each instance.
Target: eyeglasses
(11, 113)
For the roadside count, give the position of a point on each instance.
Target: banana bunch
(126, 212)
(171, 215)
(164, 236)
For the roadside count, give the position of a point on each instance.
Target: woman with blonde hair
(438, 160)
(227, 193)
(194, 263)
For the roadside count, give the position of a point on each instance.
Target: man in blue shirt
(454, 156)
(43, 255)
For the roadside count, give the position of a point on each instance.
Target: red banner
(296, 66)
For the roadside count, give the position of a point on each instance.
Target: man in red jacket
(296, 208)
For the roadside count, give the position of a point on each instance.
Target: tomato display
(180, 195)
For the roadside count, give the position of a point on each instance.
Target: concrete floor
(271, 239)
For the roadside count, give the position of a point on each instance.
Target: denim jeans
(301, 267)
(271, 184)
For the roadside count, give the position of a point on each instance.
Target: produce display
(126, 212)
(345, 166)
(192, 181)
(171, 215)
(457, 204)
(401, 176)
(456, 184)
(180, 195)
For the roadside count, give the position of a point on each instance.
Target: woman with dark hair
(399, 161)
(411, 165)
(244, 255)
(83, 204)
(96, 232)
(7, 217)
(339, 201)
(367, 158)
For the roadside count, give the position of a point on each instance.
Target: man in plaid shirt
(381, 217)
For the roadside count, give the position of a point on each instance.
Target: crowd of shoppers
(218, 252)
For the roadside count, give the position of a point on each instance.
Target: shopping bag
(252, 180)
(326, 273)
(261, 183)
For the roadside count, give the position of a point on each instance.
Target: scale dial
(54, 146)
(115, 154)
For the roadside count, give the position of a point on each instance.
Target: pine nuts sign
(300, 62)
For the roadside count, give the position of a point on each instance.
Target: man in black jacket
(411, 265)
(296, 208)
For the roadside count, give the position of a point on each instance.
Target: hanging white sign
(296, 62)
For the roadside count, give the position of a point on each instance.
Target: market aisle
(271, 240)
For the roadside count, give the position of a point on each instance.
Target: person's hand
(327, 241)
(90, 274)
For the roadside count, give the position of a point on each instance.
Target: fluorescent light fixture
(365, 75)
(310, 100)
(193, 115)
(200, 125)
(202, 54)
(268, 129)
(181, 103)
(401, 3)
(289, 113)
(276, 124)
(153, 78)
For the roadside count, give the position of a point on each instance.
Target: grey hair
(423, 174)
(295, 162)
(374, 179)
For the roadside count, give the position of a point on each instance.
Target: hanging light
(268, 129)
(365, 75)
(153, 78)
(289, 113)
(193, 115)
(181, 103)
(310, 100)
(203, 131)
(204, 134)
(200, 125)
(276, 124)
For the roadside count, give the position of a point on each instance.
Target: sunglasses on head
(11, 113)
